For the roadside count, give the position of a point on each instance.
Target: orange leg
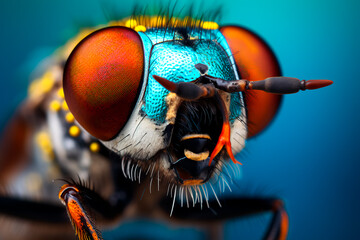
(280, 222)
(235, 208)
(82, 223)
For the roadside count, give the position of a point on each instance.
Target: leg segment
(279, 223)
(31, 210)
(235, 208)
(81, 203)
(82, 223)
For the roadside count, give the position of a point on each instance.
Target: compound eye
(102, 79)
(255, 61)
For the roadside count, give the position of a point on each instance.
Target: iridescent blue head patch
(175, 60)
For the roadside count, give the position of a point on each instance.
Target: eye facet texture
(102, 79)
(255, 61)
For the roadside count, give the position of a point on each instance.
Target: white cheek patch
(141, 138)
(238, 133)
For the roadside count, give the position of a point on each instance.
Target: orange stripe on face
(224, 140)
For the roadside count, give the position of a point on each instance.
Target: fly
(155, 107)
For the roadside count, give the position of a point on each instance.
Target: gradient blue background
(309, 155)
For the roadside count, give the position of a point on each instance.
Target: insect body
(165, 103)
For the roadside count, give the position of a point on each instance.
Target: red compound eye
(102, 79)
(255, 61)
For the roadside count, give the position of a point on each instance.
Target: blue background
(309, 155)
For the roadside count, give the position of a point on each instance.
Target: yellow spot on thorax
(42, 85)
(74, 131)
(61, 93)
(44, 142)
(64, 106)
(94, 147)
(55, 106)
(69, 117)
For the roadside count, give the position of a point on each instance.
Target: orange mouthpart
(193, 182)
(224, 140)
